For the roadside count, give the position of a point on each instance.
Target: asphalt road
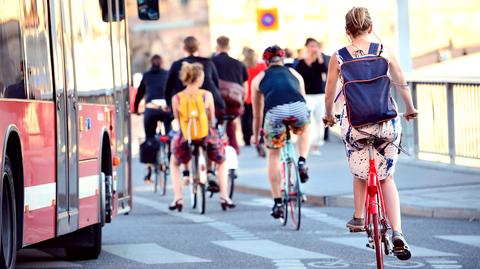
(247, 237)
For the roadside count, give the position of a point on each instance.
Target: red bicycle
(376, 223)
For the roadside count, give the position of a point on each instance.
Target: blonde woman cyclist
(192, 76)
(358, 28)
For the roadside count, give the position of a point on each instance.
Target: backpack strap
(344, 54)
(372, 50)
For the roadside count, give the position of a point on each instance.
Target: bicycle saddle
(289, 121)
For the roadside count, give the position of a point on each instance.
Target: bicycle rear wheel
(295, 198)
(156, 180)
(163, 182)
(286, 196)
(377, 241)
(193, 195)
(231, 182)
(201, 190)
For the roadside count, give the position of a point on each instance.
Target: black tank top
(279, 86)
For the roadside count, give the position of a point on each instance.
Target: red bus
(64, 123)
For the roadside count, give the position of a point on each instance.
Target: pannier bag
(149, 150)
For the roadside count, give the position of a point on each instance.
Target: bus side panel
(35, 122)
(89, 192)
(94, 118)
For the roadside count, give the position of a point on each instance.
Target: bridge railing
(448, 125)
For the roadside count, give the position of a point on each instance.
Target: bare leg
(223, 181)
(359, 189)
(304, 143)
(176, 180)
(392, 203)
(274, 172)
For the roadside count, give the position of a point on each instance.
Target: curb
(408, 210)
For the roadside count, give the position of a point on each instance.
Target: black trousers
(247, 123)
(150, 119)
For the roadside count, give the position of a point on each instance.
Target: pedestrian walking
(254, 67)
(313, 68)
(233, 79)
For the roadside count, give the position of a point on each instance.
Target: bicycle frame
(288, 156)
(374, 205)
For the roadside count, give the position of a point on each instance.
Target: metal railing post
(451, 122)
(416, 148)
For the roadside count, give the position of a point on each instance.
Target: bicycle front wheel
(377, 241)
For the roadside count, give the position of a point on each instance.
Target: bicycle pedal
(357, 230)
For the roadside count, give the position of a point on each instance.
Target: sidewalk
(424, 191)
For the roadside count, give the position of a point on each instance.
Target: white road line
(444, 263)
(34, 258)
(471, 240)
(359, 242)
(150, 254)
(263, 248)
(270, 249)
(307, 212)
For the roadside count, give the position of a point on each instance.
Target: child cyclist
(194, 109)
(358, 27)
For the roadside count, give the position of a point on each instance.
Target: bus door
(121, 94)
(66, 117)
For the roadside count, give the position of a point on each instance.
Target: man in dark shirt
(313, 69)
(231, 70)
(210, 83)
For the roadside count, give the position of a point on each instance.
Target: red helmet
(272, 52)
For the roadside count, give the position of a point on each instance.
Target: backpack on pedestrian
(366, 87)
(193, 115)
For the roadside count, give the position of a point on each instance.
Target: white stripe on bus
(88, 186)
(40, 196)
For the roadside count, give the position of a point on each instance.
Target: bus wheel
(8, 235)
(91, 235)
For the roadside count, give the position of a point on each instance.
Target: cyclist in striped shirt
(278, 93)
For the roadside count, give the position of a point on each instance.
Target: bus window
(148, 10)
(37, 63)
(113, 3)
(11, 63)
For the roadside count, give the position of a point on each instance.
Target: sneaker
(400, 247)
(303, 171)
(277, 211)
(356, 225)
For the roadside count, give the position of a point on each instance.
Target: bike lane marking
(471, 240)
(360, 242)
(150, 253)
(244, 241)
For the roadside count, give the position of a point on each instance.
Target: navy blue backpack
(366, 87)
